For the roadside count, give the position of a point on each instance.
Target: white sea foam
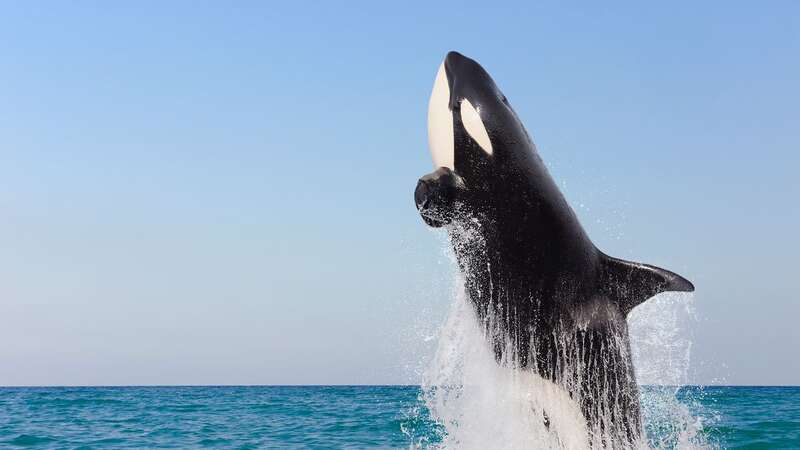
(483, 404)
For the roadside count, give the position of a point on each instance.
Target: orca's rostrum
(550, 302)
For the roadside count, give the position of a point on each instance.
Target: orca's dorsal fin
(629, 284)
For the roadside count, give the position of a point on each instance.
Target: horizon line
(45, 386)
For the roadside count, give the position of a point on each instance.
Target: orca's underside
(549, 300)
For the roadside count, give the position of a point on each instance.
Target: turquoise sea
(286, 417)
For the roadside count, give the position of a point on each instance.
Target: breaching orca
(548, 300)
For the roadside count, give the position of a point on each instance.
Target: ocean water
(286, 417)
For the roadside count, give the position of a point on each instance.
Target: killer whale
(548, 299)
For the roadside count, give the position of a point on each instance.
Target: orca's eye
(471, 119)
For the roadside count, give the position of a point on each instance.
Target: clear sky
(217, 193)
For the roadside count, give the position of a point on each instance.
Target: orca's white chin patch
(441, 139)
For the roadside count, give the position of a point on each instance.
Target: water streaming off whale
(482, 404)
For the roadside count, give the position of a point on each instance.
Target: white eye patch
(441, 139)
(474, 126)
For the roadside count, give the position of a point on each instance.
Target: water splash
(661, 344)
(482, 404)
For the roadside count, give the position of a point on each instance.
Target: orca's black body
(549, 300)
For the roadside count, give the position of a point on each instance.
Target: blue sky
(207, 193)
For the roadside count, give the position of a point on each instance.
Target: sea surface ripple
(290, 417)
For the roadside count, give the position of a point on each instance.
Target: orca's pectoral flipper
(630, 284)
